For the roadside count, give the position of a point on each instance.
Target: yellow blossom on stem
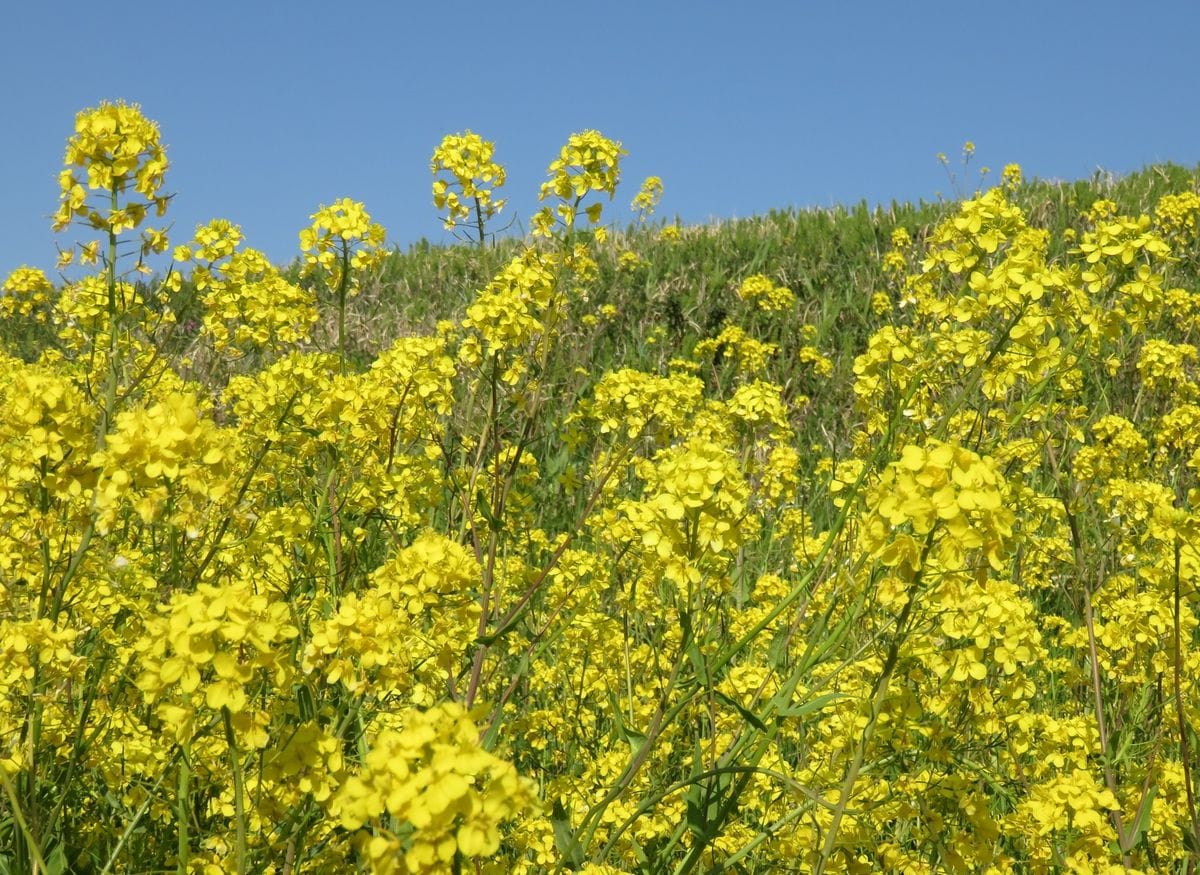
(465, 179)
(115, 150)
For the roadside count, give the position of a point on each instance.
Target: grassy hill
(683, 287)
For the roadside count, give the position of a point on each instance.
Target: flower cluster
(588, 162)
(693, 510)
(117, 150)
(428, 796)
(467, 160)
(764, 294)
(943, 487)
(511, 314)
(27, 291)
(165, 456)
(648, 197)
(341, 241)
(248, 303)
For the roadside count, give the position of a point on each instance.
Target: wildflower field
(826, 542)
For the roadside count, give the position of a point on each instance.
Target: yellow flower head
(114, 149)
(341, 236)
(467, 160)
(765, 294)
(1011, 176)
(670, 234)
(26, 290)
(588, 162)
(648, 197)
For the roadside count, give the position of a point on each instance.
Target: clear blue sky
(270, 109)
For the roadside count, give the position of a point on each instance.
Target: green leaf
(490, 638)
(703, 809)
(1145, 808)
(564, 837)
(699, 663)
(694, 797)
(704, 803)
(635, 739)
(1190, 841)
(777, 651)
(747, 715)
(56, 861)
(814, 704)
(639, 853)
(492, 735)
(306, 702)
(484, 508)
(556, 464)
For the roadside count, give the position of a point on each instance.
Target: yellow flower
(432, 777)
(26, 290)
(342, 238)
(118, 151)
(473, 178)
(588, 162)
(648, 197)
(762, 291)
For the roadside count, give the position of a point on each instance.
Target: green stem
(849, 497)
(35, 853)
(343, 284)
(181, 815)
(877, 702)
(479, 221)
(1110, 779)
(663, 717)
(239, 805)
(104, 421)
(485, 606)
(137, 818)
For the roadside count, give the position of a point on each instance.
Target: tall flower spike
(115, 149)
(344, 227)
(648, 197)
(588, 162)
(467, 159)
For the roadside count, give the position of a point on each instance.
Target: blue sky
(270, 109)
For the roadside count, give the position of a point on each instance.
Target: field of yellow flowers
(487, 600)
